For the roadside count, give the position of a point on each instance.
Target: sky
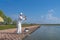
(36, 11)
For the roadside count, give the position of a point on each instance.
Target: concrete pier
(8, 35)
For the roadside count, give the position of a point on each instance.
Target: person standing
(19, 23)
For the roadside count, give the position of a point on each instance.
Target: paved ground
(10, 34)
(13, 30)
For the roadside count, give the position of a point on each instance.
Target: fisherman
(19, 26)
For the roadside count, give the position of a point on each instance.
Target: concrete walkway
(10, 34)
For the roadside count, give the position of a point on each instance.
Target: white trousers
(19, 29)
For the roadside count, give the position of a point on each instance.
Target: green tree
(2, 14)
(7, 20)
(14, 22)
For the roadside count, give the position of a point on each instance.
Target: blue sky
(37, 11)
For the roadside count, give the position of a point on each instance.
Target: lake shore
(11, 33)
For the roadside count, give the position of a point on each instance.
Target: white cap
(21, 13)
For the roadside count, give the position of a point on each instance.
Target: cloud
(50, 17)
(51, 10)
(42, 16)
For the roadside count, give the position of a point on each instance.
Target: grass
(7, 26)
(26, 25)
(14, 26)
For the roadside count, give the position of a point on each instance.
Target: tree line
(7, 20)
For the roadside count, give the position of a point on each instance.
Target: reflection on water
(45, 33)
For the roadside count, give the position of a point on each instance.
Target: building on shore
(1, 20)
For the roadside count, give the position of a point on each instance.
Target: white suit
(20, 19)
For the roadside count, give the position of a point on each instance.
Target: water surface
(46, 32)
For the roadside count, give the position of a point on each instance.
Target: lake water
(46, 32)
